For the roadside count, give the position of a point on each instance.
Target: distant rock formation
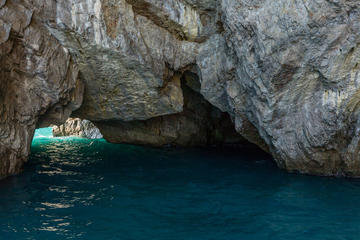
(77, 127)
(285, 73)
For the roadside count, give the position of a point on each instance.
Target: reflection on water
(74, 188)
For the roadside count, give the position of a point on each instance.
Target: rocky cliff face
(296, 79)
(286, 72)
(38, 81)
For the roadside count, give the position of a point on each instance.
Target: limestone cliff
(285, 72)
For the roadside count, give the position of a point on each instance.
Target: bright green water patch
(44, 133)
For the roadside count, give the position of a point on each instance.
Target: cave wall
(286, 72)
(38, 82)
(199, 124)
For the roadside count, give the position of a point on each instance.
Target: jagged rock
(296, 80)
(126, 60)
(77, 127)
(286, 72)
(37, 78)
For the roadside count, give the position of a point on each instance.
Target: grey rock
(296, 80)
(2, 3)
(126, 60)
(4, 31)
(77, 127)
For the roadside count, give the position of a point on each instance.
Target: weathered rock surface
(38, 82)
(296, 79)
(286, 72)
(126, 61)
(77, 127)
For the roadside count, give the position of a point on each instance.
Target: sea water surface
(75, 188)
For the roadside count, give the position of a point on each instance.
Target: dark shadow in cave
(199, 125)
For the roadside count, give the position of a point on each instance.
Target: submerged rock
(285, 72)
(77, 127)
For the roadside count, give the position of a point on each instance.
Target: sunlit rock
(77, 127)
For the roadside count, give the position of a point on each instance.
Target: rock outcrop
(285, 72)
(38, 81)
(77, 127)
(296, 79)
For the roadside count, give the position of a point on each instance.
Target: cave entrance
(74, 127)
(199, 124)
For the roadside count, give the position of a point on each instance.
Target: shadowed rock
(200, 124)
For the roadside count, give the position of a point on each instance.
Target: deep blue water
(88, 189)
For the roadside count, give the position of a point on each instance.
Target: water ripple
(74, 188)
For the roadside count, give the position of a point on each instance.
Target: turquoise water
(89, 189)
